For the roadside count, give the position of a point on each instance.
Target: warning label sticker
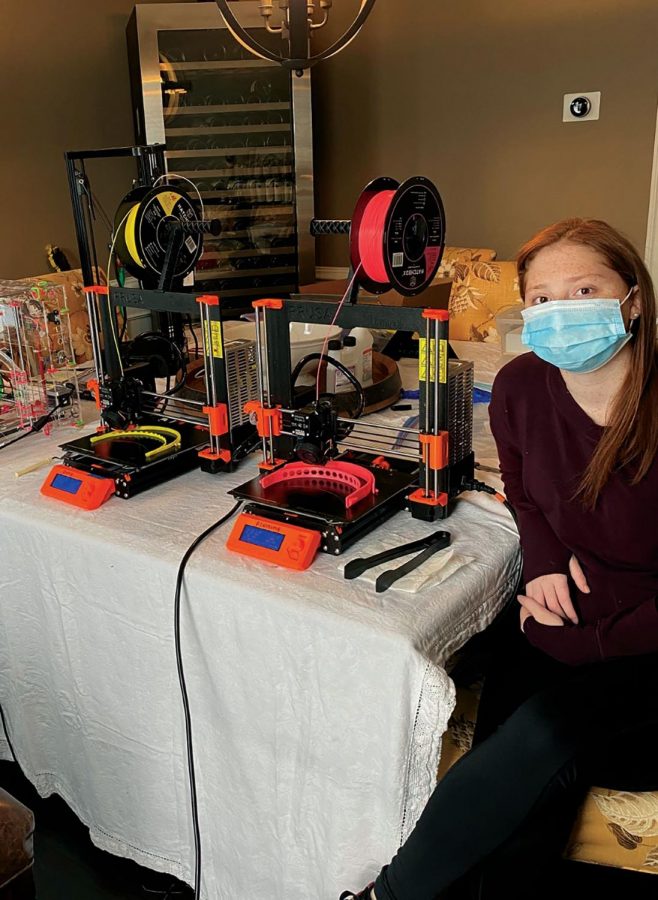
(424, 364)
(215, 344)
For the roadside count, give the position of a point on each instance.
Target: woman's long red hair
(630, 440)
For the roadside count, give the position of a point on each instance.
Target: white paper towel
(430, 574)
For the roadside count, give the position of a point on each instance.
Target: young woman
(572, 701)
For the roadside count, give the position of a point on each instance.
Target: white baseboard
(331, 273)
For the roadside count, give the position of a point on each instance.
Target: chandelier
(299, 20)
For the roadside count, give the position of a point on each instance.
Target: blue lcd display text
(66, 483)
(271, 540)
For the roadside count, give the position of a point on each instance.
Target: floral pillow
(481, 288)
(452, 255)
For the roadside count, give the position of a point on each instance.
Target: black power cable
(38, 424)
(183, 687)
(322, 357)
(156, 337)
(15, 440)
(186, 705)
(174, 890)
(246, 447)
(472, 484)
(188, 322)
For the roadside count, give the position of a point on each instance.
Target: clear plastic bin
(509, 325)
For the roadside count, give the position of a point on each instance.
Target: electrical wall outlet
(581, 107)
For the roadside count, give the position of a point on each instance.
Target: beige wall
(469, 93)
(65, 78)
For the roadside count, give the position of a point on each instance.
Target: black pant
(546, 732)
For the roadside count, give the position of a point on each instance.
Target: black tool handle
(330, 226)
(358, 566)
(386, 579)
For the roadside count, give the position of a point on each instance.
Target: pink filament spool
(397, 235)
(371, 236)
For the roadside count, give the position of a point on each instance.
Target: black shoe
(362, 895)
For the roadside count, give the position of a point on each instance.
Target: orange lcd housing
(274, 542)
(81, 489)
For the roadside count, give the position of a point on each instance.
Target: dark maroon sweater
(545, 440)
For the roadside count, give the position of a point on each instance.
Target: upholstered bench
(613, 828)
(16, 849)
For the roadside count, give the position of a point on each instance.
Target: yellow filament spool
(129, 235)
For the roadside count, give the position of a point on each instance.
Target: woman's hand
(530, 607)
(552, 592)
(578, 575)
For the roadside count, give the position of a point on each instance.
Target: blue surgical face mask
(576, 335)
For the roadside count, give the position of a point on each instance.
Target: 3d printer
(328, 479)
(148, 433)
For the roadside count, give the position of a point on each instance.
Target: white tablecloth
(318, 706)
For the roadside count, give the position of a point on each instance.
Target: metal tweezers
(428, 546)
